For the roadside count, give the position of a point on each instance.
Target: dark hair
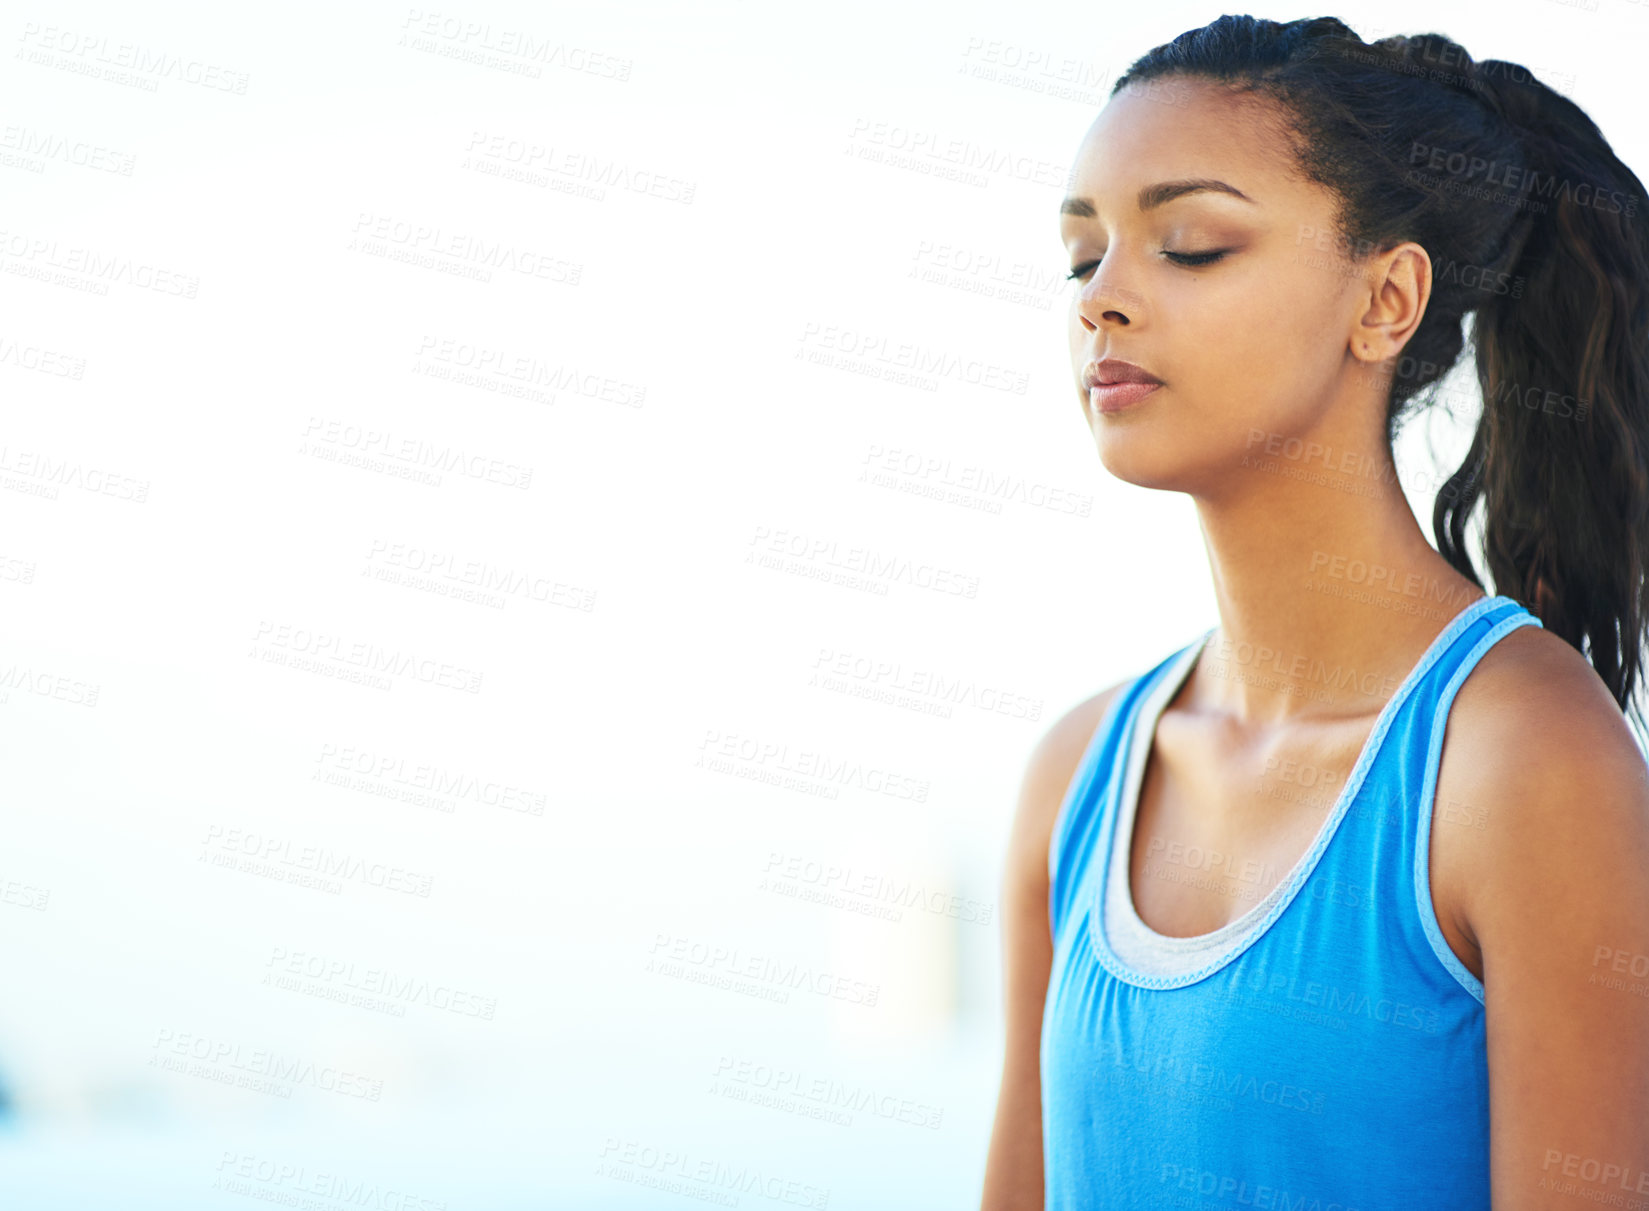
(1532, 226)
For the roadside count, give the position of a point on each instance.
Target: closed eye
(1196, 258)
(1190, 259)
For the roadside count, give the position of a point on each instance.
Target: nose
(1105, 301)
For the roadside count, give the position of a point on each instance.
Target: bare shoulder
(1534, 708)
(1047, 776)
(1540, 759)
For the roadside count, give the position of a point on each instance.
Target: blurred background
(534, 547)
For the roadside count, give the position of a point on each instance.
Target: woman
(1269, 940)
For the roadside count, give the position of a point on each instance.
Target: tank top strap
(1405, 761)
(1405, 774)
(1476, 629)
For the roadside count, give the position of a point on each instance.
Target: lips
(1110, 370)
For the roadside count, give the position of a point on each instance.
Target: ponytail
(1561, 453)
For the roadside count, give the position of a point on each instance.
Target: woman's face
(1251, 344)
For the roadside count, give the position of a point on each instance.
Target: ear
(1398, 288)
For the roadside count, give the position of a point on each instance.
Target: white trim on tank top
(1131, 939)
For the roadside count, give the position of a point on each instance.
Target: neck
(1328, 593)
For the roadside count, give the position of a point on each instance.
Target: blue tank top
(1333, 1058)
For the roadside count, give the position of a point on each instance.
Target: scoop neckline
(1251, 926)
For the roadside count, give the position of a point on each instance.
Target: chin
(1140, 458)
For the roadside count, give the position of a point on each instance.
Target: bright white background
(713, 232)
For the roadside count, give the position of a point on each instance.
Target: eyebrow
(1159, 194)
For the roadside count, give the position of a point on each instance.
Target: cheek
(1305, 346)
(1265, 334)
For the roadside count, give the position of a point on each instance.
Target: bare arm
(1013, 1165)
(1559, 907)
